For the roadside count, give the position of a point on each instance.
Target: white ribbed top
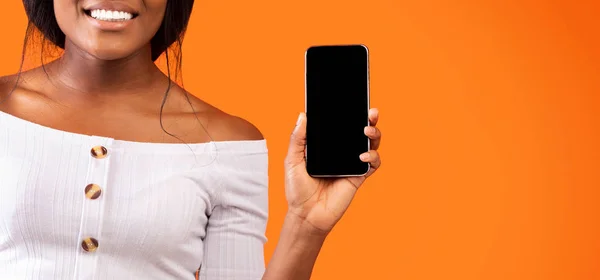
(164, 209)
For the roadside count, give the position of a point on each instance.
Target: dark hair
(177, 14)
(42, 19)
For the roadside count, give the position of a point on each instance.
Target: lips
(111, 16)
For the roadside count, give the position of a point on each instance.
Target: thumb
(297, 144)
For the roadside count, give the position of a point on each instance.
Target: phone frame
(368, 105)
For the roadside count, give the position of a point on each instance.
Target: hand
(321, 202)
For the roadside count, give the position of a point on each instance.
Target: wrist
(298, 224)
(299, 236)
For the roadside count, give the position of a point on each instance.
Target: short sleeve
(235, 236)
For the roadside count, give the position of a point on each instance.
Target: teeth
(110, 15)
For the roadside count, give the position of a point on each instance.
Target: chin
(104, 49)
(110, 55)
(111, 52)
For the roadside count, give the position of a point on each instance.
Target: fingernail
(299, 119)
(364, 156)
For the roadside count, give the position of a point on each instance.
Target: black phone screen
(337, 107)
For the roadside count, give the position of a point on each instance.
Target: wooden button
(99, 152)
(89, 244)
(93, 191)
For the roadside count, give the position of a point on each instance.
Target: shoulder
(227, 127)
(5, 80)
(10, 88)
(6, 84)
(26, 82)
(224, 126)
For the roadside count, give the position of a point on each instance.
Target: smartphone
(337, 109)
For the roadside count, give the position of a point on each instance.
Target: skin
(106, 84)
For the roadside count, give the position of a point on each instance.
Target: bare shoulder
(27, 81)
(7, 83)
(8, 88)
(227, 127)
(224, 126)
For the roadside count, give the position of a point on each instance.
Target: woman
(98, 179)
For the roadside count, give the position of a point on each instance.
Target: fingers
(373, 116)
(372, 157)
(297, 142)
(371, 131)
(375, 135)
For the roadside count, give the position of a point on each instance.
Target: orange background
(491, 122)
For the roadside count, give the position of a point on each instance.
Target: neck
(82, 72)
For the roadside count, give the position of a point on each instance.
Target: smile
(110, 15)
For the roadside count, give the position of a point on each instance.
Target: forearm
(296, 252)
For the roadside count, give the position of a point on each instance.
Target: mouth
(110, 15)
(111, 11)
